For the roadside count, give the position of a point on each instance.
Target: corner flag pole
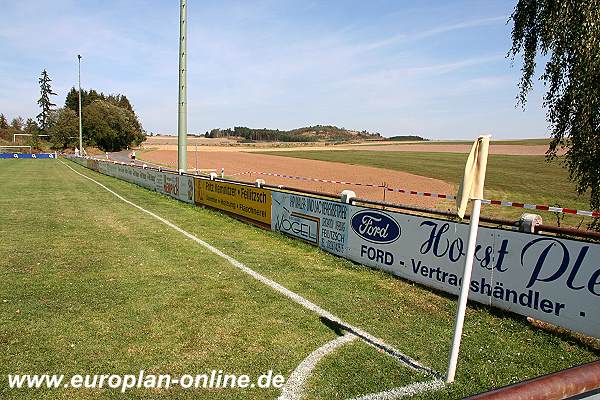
(471, 188)
(182, 121)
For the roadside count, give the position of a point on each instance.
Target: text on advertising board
(247, 201)
(319, 221)
(375, 227)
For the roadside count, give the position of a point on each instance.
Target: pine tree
(30, 127)
(72, 100)
(17, 124)
(124, 103)
(3, 122)
(44, 101)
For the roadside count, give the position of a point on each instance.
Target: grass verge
(516, 142)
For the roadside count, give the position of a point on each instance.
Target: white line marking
(368, 338)
(404, 391)
(294, 386)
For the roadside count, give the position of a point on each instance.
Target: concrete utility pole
(182, 121)
(80, 129)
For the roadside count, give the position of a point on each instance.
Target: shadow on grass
(334, 326)
(338, 329)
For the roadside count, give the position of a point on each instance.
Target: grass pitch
(89, 284)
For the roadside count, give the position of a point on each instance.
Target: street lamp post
(182, 108)
(80, 129)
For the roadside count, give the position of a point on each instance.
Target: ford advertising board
(375, 226)
(548, 278)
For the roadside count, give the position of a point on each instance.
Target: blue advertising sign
(375, 226)
(20, 155)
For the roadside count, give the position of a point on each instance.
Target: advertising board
(33, 156)
(548, 278)
(247, 201)
(178, 186)
(318, 221)
(93, 164)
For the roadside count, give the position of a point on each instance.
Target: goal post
(16, 149)
(15, 135)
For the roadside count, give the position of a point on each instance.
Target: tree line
(108, 121)
(306, 134)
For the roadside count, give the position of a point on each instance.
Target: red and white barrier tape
(542, 208)
(303, 178)
(538, 207)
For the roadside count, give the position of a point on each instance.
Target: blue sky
(432, 68)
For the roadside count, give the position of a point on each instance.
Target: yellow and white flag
(474, 176)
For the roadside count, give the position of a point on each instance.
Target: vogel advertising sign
(322, 222)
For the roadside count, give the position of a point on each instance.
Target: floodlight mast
(80, 129)
(182, 120)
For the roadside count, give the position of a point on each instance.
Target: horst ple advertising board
(247, 201)
(318, 221)
(550, 279)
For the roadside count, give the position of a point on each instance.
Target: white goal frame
(17, 147)
(25, 134)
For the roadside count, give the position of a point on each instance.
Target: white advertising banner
(320, 222)
(548, 278)
(179, 186)
(174, 185)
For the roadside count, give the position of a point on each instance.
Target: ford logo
(375, 227)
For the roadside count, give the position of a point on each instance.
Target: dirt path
(237, 162)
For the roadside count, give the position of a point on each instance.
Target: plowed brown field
(238, 162)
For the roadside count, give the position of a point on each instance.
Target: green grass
(89, 284)
(519, 142)
(528, 179)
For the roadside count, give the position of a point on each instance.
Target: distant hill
(406, 138)
(317, 133)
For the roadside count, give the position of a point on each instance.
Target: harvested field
(238, 162)
(207, 145)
